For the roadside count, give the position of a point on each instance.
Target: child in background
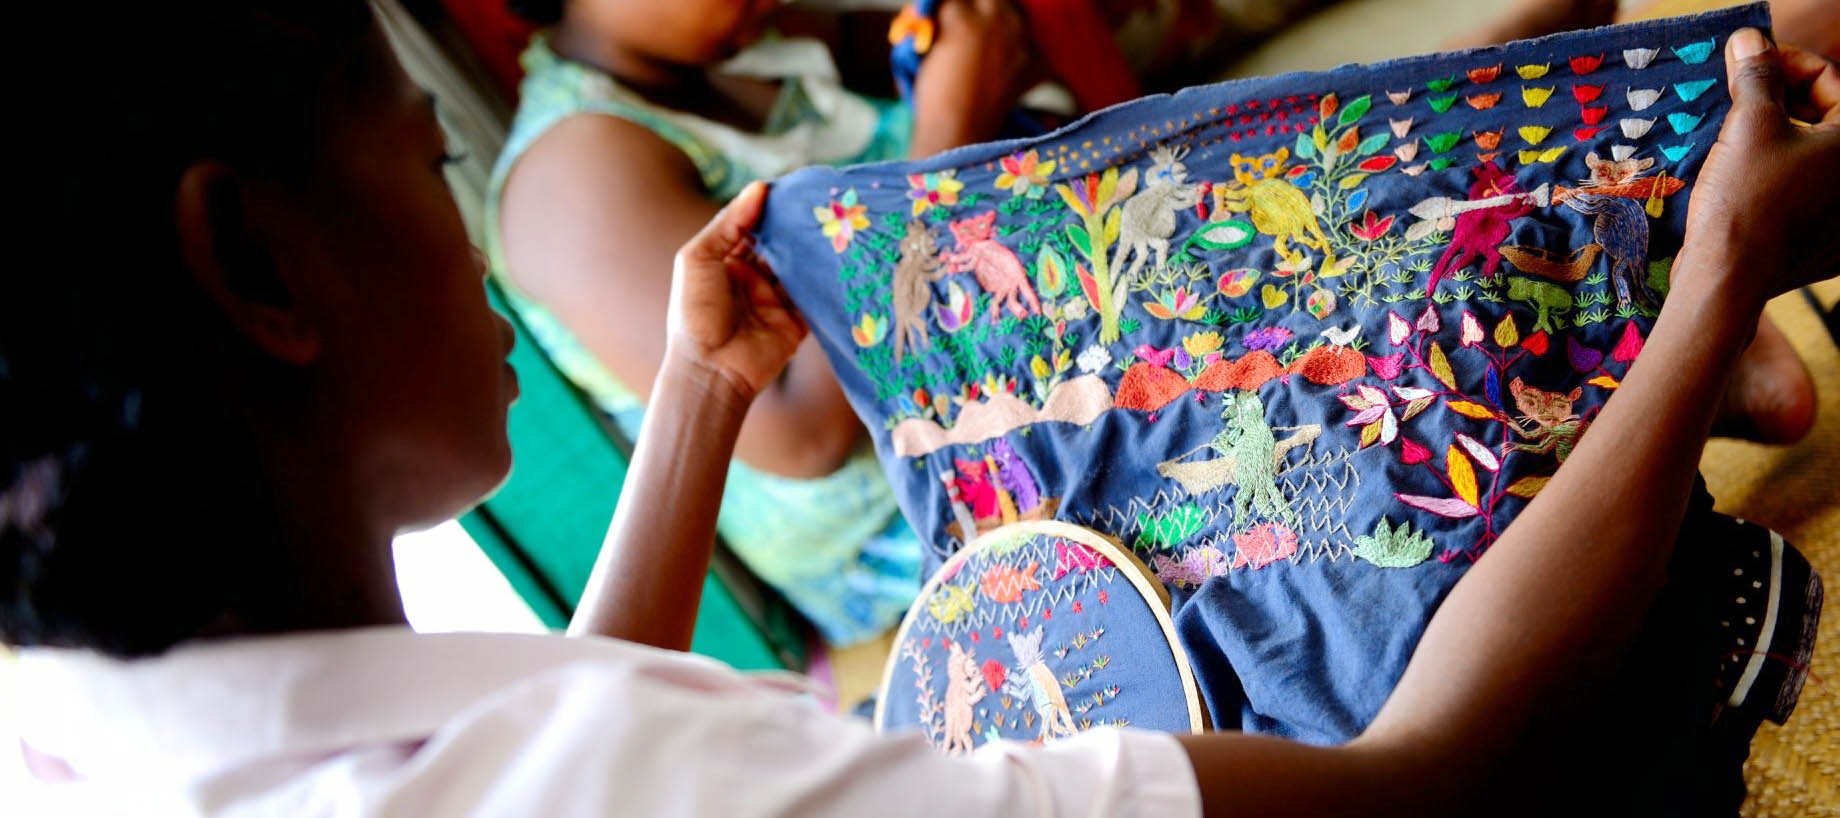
(637, 119)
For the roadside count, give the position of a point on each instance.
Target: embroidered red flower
(1371, 228)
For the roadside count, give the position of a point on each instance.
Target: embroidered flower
(956, 312)
(1269, 338)
(841, 219)
(929, 190)
(1235, 283)
(1024, 174)
(1094, 358)
(870, 330)
(1098, 192)
(1176, 303)
(1371, 228)
(1202, 343)
(1074, 309)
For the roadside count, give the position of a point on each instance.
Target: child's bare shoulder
(590, 148)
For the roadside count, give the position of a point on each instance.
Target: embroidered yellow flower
(1202, 343)
(929, 190)
(870, 330)
(1024, 174)
(841, 219)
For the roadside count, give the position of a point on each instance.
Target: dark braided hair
(126, 518)
(540, 12)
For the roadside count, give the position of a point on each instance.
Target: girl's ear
(235, 269)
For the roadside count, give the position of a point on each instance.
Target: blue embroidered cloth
(1306, 343)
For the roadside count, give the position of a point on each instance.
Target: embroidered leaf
(1231, 234)
(1462, 474)
(1506, 334)
(1411, 453)
(1388, 547)
(1372, 144)
(1528, 486)
(1415, 407)
(1442, 506)
(1081, 241)
(1471, 410)
(1349, 140)
(1604, 381)
(1411, 392)
(1483, 456)
(1369, 434)
(1305, 148)
(1440, 366)
(1050, 272)
(1321, 139)
(1491, 386)
(1326, 108)
(1089, 286)
(1353, 180)
(1355, 110)
(1389, 427)
(1114, 223)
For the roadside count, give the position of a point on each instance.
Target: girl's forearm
(648, 580)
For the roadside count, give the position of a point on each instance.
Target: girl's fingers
(1814, 85)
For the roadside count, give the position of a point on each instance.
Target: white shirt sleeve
(599, 741)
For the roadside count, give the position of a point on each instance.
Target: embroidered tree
(1095, 199)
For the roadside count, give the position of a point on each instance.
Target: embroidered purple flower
(929, 190)
(1269, 338)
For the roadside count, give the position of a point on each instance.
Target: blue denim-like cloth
(1307, 447)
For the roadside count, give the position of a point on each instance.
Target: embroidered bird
(1341, 336)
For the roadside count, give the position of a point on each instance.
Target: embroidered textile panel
(1307, 343)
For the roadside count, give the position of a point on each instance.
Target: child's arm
(591, 216)
(729, 335)
(970, 81)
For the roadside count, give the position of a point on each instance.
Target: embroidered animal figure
(997, 269)
(1263, 545)
(1621, 226)
(1549, 301)
(916, 270)
(950, 603)
(1007, 583)
(1014, 477)
(1546, 264)
(964, 688)
(1546, 420)
(975, 487)
(1479, 232)
(1196, 567)
(1277, 207)
(1033, 683)
(1074, 558)
(1149, 217)
(1249, 440)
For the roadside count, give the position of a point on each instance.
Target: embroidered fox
(1033, 683)
(997, 269)
(964, 688)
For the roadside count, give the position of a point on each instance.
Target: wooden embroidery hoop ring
(1154, 595)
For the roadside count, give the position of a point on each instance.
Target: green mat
(544, 527)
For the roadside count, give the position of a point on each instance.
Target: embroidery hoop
(1150, 591)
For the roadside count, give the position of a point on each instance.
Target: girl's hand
(972, 77)
(729, 317)
(1762, 210)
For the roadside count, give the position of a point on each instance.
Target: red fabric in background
(496, 35)
(1077, 46)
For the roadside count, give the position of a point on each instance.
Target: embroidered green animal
(1249, 440)
(1549, 301)
(1278, 208)
(1171, 529)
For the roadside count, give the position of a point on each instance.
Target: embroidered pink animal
(1479, 233)
(964, 688)
(1074, 558)
(1263, 545)
(998, 270)
(1195, 567)
(1006, 583)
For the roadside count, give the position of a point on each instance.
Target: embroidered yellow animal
(1278, 208)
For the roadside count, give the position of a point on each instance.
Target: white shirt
(384, 721)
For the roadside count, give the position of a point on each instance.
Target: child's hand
(728, 315)
(1764, 206)
(972, 77)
